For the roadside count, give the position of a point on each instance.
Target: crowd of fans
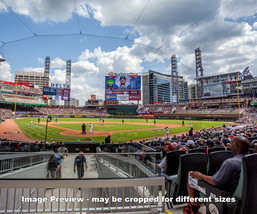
(183, 109)
(21, 89)
(22, 146)
(22, 99)
(5, 114)
(205, 138)
(70, 111)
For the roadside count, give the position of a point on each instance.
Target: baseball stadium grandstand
(102, 132)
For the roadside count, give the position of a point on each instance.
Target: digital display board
(64, 93)
(124, 86)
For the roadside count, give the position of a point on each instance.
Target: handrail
(88, 195)
(11, 162)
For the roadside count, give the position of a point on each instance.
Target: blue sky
(224, 30)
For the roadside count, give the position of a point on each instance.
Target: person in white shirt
(167, 132)
(91, 127)
(31, 123)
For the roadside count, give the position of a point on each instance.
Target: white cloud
(31, 69)
(5, 71)
(47, 10)
(88, 77)
(255, 25)
(57, 63)
(40, 60)
(175, 27)
(84, 67)
(58, 76)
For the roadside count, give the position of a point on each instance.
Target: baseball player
(167, 132)
(91, 127)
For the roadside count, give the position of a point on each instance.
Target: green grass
(106, 126)
(39, 133)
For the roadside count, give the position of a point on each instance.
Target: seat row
(179, 164)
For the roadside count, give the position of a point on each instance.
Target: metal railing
(130, 163)
(91, 196)
(11, 162)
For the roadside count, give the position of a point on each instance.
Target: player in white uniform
(91, 128)
(31, 123)
(167, 132)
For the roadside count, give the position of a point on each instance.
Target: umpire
(80, 161)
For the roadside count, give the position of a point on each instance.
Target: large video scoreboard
(123, 86)
(57, 91)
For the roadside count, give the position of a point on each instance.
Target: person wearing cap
(209, 144)
(80, 162)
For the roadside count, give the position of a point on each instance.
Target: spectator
(80, 162)
(52, 166)
(226, 178)
(191, 132)
(163, 163)
(58, 159)
(108, 139)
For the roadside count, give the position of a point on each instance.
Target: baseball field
(69, 129)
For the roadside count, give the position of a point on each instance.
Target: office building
(192, 91)
(156, 87)
(35, 79)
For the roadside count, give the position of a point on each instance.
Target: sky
(125, 36)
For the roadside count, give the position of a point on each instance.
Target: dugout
(122, 109)
(86, 147)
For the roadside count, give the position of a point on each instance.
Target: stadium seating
(215, 159)
(172, 159)
(245, 194)
(178, 183)
(197, 150)
(215, 149)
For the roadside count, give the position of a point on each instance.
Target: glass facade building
(157, 88)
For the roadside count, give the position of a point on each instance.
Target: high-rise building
(156, 88)
(192, 91)
(74, 102)
(53, 102)
(35, 79)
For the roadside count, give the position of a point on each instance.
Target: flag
(245, 72)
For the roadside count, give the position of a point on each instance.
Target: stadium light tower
(174, 79)
(68, 79)
(47, 70)
(199, 72)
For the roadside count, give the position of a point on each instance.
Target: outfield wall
(122, 109)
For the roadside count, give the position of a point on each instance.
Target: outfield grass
(39, 133)
(106, 126)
